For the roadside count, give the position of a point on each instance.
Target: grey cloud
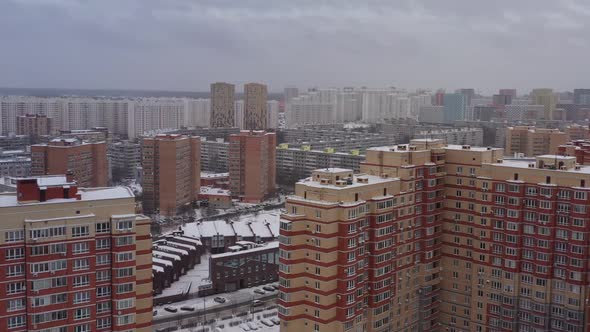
(185, 44)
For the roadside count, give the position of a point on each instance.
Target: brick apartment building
(171, 173)
(438, 238)
(73, 259)
(533, 141)
(252, 165)
(34, 125)
(86, 161)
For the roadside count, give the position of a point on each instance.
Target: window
(82, 313)
(103, 291)
(15, 270)
(104, 243)
(126, 320)
(14, 236)
(125, 288)
(81, 297)
(15, 287)
(82, 328)
(47, 232)
(103, 306)
(15, 253)
(125, 240)
(102, 323)
(124, 225)
(18, 321)
(125, 272)
(81, 264)
(81, 247)
(103, 259)
(103, 275)
(125, 256)
(79, 231)
(16, 304)
(103, 227)
(125, 304)
(81, 281)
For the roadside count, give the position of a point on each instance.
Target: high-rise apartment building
(222, 105)
(87, 162)
(154, 114)
(34, 125)
(532, 141)
(455, 107)
(171, 173)
(125, 159)
(74, 259)
(255, 96)
(547, 98)
(437, 238)
(252, 165)
(272, 114)
(509, 92)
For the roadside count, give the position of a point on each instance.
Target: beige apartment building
(171, 173)
(548, 99)
(34, 125)
(73, 259)
(255, 104)
(222, 105)
(532, 141)
(435, 237)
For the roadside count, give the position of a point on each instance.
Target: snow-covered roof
(240, 227)
(269, 245)
(161, 261)
(157, 253)
(52, 180)
(205, 175)
(157, 268)
(91, 215)
(206, 190)
(169, 248)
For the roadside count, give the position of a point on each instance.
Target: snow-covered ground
(241, 297)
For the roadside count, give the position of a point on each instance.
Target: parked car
(219, 299)
(171, 309)
(187, 308)
(268, 288)
(257, 303)
(259, 291)
(155, 312)
(275, 286)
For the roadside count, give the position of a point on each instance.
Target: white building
(272, 114)
(152, 114)
(198, 112)
(239, 113)
(13, 106)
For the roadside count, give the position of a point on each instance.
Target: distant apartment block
(297, 163)
(432, 114)
(87, 162)
(171, 173)
(548, 99)
(75, 259)
(255, 107)
(582, 96)
(532, 141)
(454, 107)
(457, 136)
(214, 155)
(34, 125)
(125, 159)
(15, 163)
(222, 105)
(252, 165)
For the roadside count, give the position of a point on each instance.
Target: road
(239, 305)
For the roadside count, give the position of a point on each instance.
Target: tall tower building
(171, 173)
(252, 165)
(87, 162)
(74, 259)
(547, 98)
(222, 105)
(255, 97)
(435, 237)
(455, 107)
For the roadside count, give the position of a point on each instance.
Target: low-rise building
(246, 265)
(217, 198)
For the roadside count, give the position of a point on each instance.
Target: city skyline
(185, 46)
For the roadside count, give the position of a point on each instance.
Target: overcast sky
(187, 44)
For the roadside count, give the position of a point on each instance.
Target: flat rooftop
(87, 194)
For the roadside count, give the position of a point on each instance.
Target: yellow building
(435, 237)
(548, 99)
(531, 141)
